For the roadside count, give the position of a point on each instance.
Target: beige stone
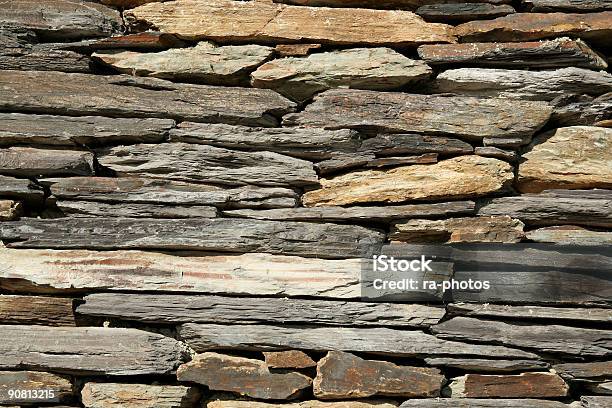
(10, 210)
(110, 395)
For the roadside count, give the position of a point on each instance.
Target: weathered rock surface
(454, 178)
(531, 312)
(47, 311)
(399, 343)
(465, 117)
(595, 401)
(483, 403)
(592, 27)
(384, 145)
(10, 210)
(384, 4)
(205, 63)
(203, 234)
(21, 189)
(241, 375)
(553, 207)
(343, 375)
(585, 371)
(265, 21)
(148, 40)
(134, 210)
(487, 365)
(51, 271)
(461, 12)
(230, 310)
(496, 153)
(526, 385)
(570, 235)
(365, 214)
(168, 192)
(108, 395)
(522, 84)
(218, 403)
(573, 110)
(126, 3)
(567, 5)
(89, 350)
(31, 381)
(573, 158)
(17, 128)
(288, 359)
(378, 69)
(295, 50)
(80, 94)
(189, 162)
(33, 162)
(555, 53)
(469, 229)
(60, 19)
(548, 338)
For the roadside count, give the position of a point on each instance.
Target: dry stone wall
(188, 188)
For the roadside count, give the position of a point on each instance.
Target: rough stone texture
(136, 210)
(108, 395)
(462, 12)
(343, 375)
(570, 235)
(16, 128)
(524, 85)
(295, 50)
(462, 177)
(89, 350)
(80, 94)
(465, 117)
(383, 341)
(33, 162)
(377, 69)
(550, 338)
(241, 375)
(203, 234)
(391, 4)
(21, 189)
(265, 21)
(148, 40)
(218, 403)
(485, 365)
(288, 359)
(47, 311)
(526, 385)
(228, 310)
(572, 158)
(365, 214)
(205, 63)
(592, 27)
(384, 145)
(60, 19)
(555, 53)
(34, 381)
(554, 207)
(10, 210)
(484, 403)
(168, 192)
(45, 271)
(188, 162)
(575, 110)
(531, 312)
(471, 229)
(595, 402)
(488, 151)
(585, 371)
(567, 5)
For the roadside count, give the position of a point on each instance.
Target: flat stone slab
(52, 388)
(33, 162)
(115, 395)
(526, 385)
(46, 311)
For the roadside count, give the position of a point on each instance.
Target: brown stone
(10, 210)
(225, 403)
(455, 13)
(111, 395)
(343, 375)
(567, 5)
(295, 50)
(486, 365)
(570, 235)
(288, 359)
(241, 375)
(485, 403)
(148, 40)
(32, 162)
(526, 385)
(600, 370)
(461, 177)
(47, 311)
(31, 381)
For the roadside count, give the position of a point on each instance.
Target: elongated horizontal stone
(263, 21)
(462, 12)
(399, 343)
(47, 311)
(573, 110)
(573, 157)
(204, 234)
(450, 178)
(380, 214)
(343, 375)
(21, 189)
(427, 158)
(486, 365)
(483, 403)
(295, 50)
(10, 210)
(244, 376)
(469, 229)
(229, 310)
(50, 271)
(60, 19)
(465, 117)
(570, 235)
(599, 370)
(103, 395)
(56, 388)
(126, 3)
(225, 403)
(32, 162)
(134, 210)
(18, 128)
(522, 84)
(555, 53)
(168, 192)
(189, 162)
(496, 153)
(567, 5)
(205, 63)
(378, 69)
(550, 338)
(531, 312)
(80, 94)
(592, 27)
(288, 359)
(148, 40)
(392, 4)
(89, 350)
(554, 207)
(526, 385)
(384, 145)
